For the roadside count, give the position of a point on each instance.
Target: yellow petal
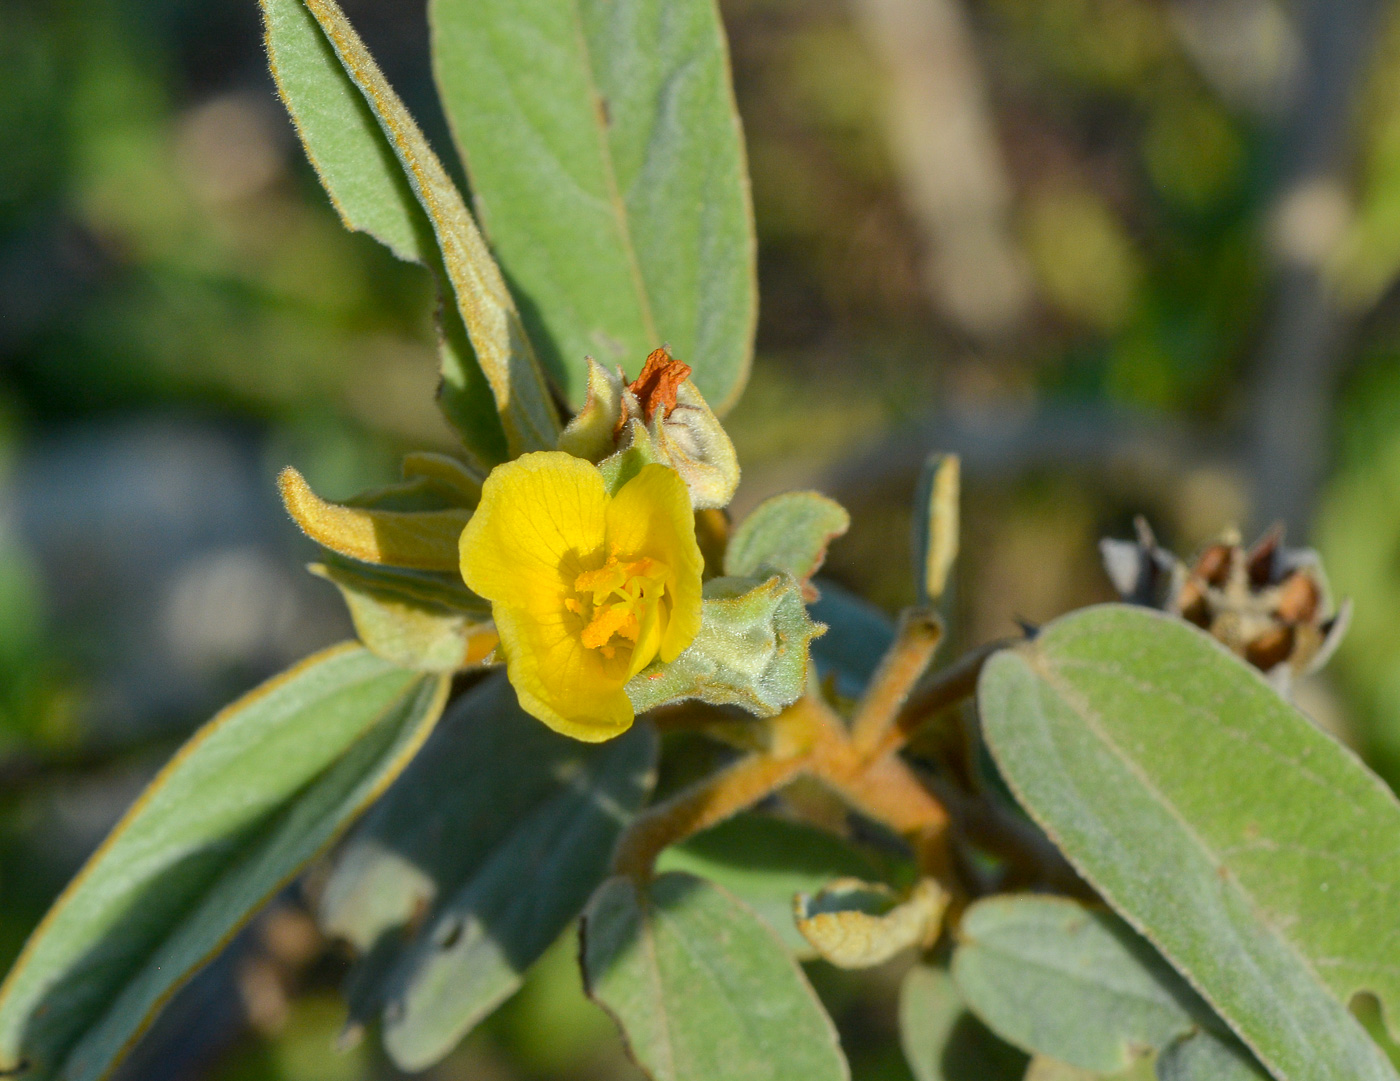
(649, 636)
(539, 525)
(651, 516)
(573, 689)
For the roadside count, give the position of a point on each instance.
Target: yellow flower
(586, 589)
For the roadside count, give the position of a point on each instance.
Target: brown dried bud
(1268, 604)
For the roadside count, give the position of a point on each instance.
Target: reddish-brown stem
(903, 665)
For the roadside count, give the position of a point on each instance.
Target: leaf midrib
(619, 207)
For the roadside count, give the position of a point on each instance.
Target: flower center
(623, 595)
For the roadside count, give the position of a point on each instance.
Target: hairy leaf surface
(1252, 849)
(1072, 983)
(607, 165)
(492, 842)
(701, 987)
(256, 793)
(943, 1040)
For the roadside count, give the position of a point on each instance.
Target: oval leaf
(1077, 985)
(608, 168)
(1208, 811)
(788, 533)
(1206, 1056)
(943, 1040)
(701, 988)
(256, 793)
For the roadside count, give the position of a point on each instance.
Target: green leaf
(1208, 1056)
(257, 792)
(766, 862)
(943, 1040)
(355, 163)
(1058, 979)
(474, 863)
(492, 323)
(414, 619)
(474, 953)
(787, 533)
(701, 987)
(751, 651)
(1253, 850)
(1044, 1068)
(371, 192)
(608, 168)
(936, 529)
(858, 635)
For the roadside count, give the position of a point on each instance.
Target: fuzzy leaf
(254, 795)
(858, 635)
(1058, 979)
(414, 539)
(371, 192)
(701, 988)
(473, 864)
(351, 156)
(608, 167)
(487, 310)
(1212, 814)
(787, 533)
(407, 618)
(1208, 1056)
(751, 651)
(766, 862)
(936, 529)
(942, 1040)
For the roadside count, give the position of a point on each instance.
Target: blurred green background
(1123, 255)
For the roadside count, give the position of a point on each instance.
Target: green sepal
(619, 468)
(751, 650)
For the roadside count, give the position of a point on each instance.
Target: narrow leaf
(942, 1040)
(857, 924)
(1223, 825)
(476, 860)
(371, 192)
(487, 310)
(608, 167)
(421, 540)
(936, 528)
(787, 533)
(355, 163)
(1058, 979)
(701, 987)
(257, 792)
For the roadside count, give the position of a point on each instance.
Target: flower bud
(662, 416)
